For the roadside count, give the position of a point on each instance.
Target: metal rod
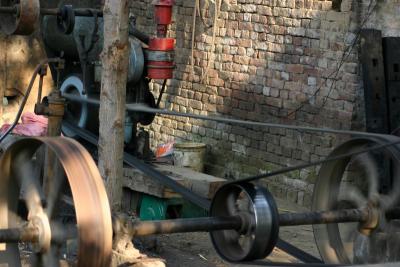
(186, 225)
(323, 217)
(83, 12)
(24, 234)
(140, 35)
(207, 224)
(8, 10)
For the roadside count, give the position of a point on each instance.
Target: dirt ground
(196, 249)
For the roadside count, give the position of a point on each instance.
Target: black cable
(161, 93)
(185, 192)
(315, 163)
(146, 109)
(26, 96)
(142, 108)
(281, 244)
(335, 74)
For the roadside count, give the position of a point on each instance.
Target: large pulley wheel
(76, 113)
(359, 182)
(72, 209)
(25, 19)
(259, 233)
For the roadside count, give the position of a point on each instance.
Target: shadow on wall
(268, 61)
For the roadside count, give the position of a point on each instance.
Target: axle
(208, 224)
(24, 234)
(83, 12)
(205, 224)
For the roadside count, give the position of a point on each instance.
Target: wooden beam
(113, 93)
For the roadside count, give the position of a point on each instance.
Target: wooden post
(112, 97)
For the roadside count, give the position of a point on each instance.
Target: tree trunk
(112, 97)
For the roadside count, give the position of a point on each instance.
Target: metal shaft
(14, 235)
(324, 217)
(83, 12)
(207, 224)
(186, 225)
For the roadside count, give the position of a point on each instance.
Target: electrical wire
(161, 93)
(334, 75)
(315, 163)
(26, 96)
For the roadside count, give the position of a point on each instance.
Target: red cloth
(32, 125)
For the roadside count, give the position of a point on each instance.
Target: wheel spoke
(368, 163)
(247, 243)
(52, 257)
(15, 219)
(352, 194)
(30, 187)
(390, 200)
(231, 203)
(10, 256)
(62, 232)
(57, 183)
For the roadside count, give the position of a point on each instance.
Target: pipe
(139, 35)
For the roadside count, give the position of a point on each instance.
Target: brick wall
(269, 58)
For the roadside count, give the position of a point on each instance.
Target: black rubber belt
(186, 193)
(149, 170)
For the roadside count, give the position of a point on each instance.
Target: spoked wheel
(356, 182)
(259, 232)
(32, 216)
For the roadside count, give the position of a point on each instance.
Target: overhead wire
(318, 162)
(334, 74)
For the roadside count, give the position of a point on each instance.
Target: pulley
(160, 58)
(66, 19)
(76, 113)
(356, 182)
(24, 20)
(244, 222)
(258, 234)
(35, 214)
(22, 17)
